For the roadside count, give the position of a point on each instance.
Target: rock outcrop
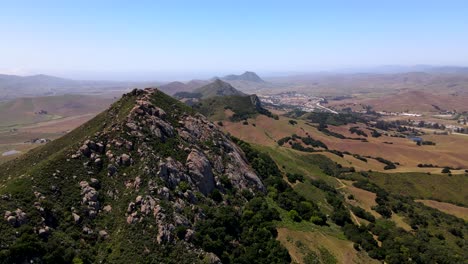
(148, 166)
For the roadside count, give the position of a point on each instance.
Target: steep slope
(246, 76)
(216, 88)
(234, 107)
(133, 184)
(214, 99)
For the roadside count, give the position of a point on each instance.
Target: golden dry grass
(458, 211)
(342, 250)
(362, 198)
(450, 150)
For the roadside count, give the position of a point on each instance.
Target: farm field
(25, 119)
(447, 152)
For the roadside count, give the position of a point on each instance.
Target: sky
(127, 40)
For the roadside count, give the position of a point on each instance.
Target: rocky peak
(148, 163)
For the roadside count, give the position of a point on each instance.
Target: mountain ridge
(246, 76)
(148, 163)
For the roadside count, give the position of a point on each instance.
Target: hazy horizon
(180, 41)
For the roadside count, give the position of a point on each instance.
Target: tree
(446, 170)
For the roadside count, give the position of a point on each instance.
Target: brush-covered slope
(219, 100)
(234, 107)
(216, 88)
(246, 76)
(146, 181)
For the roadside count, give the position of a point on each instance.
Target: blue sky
(162, 39)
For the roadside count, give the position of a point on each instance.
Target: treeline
(357, 131)
(389, 165)
(306, 140)
(334, 119)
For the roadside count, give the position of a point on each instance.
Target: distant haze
(169, 40)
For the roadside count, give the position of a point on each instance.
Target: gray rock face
(200, 171)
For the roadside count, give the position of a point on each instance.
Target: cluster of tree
(359, 157)
(423, 165)
(334, 119)
(334, 169)
(293, 177)
(296, 113)
(292, 122)
(359, 212)
(323, 128)
(388, 164)
(306, 140)
(432, 125)
(358, 131)
(281, 192)
(313, 142)
(423, 142)
(241, 236)
(298, 146)
(264, 111)
(281, 141)
(461, 130)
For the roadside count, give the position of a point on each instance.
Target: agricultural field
(447, 152)
(26, 120)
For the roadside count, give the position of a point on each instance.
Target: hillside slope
(136, 183)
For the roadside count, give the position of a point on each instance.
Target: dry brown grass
(400, 222)
(458, 211)
(450, 150)
(417, 101)
(362, 198)
(342, 250)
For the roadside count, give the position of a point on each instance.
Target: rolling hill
(13, 86)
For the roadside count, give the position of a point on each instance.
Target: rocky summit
(132, 184)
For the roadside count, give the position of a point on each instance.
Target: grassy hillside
(439, 187)
(234, 107)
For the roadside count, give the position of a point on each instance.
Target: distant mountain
(219, 100)
(214, 89)
(13, 86)
(395, 69)
(246, 76)
(218, 88)
(176, 87)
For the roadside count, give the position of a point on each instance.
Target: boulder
(85, 150)
(111, 170)
(76, 218)
(103, 234)
(125, 160)
(200, 171)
